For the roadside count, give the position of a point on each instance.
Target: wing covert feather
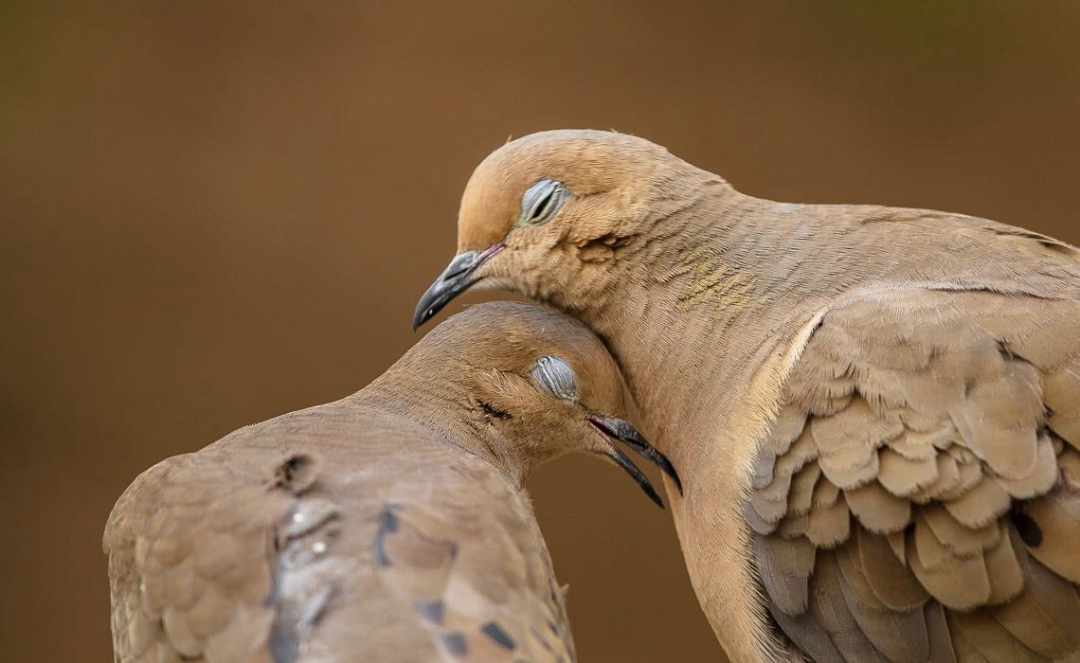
(942, 489)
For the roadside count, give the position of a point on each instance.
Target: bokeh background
(215, 212)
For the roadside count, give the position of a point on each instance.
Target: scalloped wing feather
(941, 499)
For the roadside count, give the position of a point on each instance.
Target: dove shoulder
(367, 539)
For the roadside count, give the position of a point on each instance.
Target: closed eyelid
(541, 201)
(556, 377)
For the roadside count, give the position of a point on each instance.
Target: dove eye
(555, 376)
(541, 201)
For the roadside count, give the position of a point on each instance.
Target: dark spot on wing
(496, 633)
(454, 642)
(432, 610)
(284, 642)
(389, 520)
(388, 524)
(1029, 530)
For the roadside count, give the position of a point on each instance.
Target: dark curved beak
(454, 280)
(624, 431)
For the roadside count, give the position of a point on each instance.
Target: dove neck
(694, 328)
(704, 295)
(442, 402)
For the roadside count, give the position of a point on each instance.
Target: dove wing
(918, 498)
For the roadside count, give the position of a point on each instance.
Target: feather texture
(946, 429)
(926, 353)
(383, 526)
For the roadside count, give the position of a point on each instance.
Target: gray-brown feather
(250, 550)
(945, 517)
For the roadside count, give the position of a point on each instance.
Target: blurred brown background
(212, 213)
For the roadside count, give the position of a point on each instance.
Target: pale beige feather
(928, 353)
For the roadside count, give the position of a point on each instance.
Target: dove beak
(624, 431)
(454, 280)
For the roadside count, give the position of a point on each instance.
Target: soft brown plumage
(388, 526)
(876, 411)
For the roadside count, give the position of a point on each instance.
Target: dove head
(528, 385)
(547, 215)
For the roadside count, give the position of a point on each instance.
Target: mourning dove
(388, 526)
(876, 411)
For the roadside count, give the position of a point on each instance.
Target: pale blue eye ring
(556, 377)
(542, 201)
